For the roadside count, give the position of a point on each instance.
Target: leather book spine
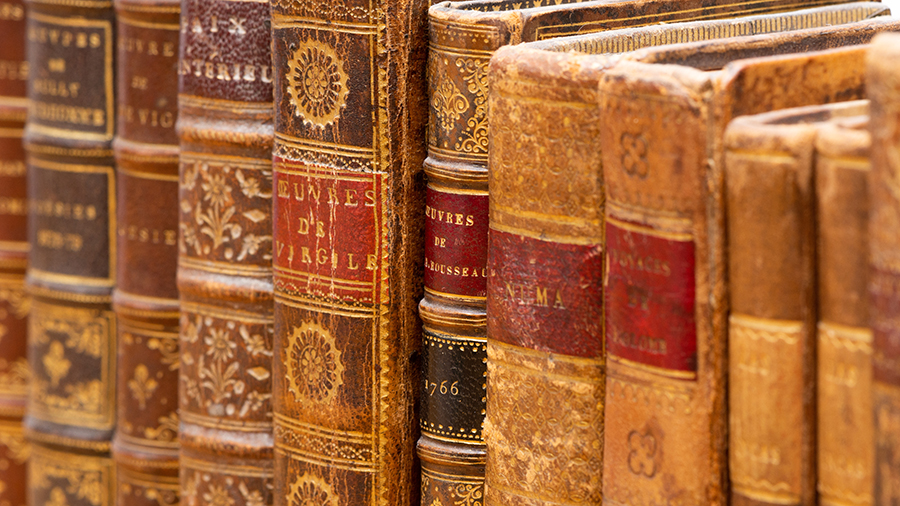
(145, 446)
(14, 303)
(349, 147)
(665, 284)
(225, 252)
(771, 334)
(71, 410)
(883, 87)
(846, 443)
(546, 381)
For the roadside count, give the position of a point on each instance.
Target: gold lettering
(283, 189)
(56, 65)
(351, 197)
(371, 263)
(350, 264)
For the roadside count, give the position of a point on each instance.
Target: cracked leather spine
(348, 155)
(70, 415)
(14, 303)
(463, 35)
(846, 444)
(884, 262)
(770, 186)
(145, 300)
(666, 303)
(224, 274)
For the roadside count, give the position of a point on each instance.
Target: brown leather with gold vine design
(225, 252)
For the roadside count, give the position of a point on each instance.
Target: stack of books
(333, 253)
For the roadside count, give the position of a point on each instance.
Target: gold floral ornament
(314, 364)
(309, 490)
(317, 83)
(55, 363)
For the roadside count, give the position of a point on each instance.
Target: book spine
(545, 352)
(665, 424)
(845, 430)
(453, 309)
(225, 252)
(883, 87)
(14, 303)
(145, 447)
(771, 335)
(71, 270)
(348, 254)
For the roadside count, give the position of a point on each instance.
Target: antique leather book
(883, 88)
(666, 299)
(463, 35)
(145, 446)
(71, 408)
(846, 444)
(546, 203)
(350, 119)
(225, 252)
(770, 162)
(14, 303)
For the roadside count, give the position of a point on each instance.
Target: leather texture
(883, 80)
(846, 444)
(224, 264)
(349, 143)
(463, 36)
(145, 446)
(664, 205)
(770, 182)
(71, 272)
(14, 303)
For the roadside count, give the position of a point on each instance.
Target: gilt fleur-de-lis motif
(142, 385)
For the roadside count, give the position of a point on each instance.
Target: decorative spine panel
(71, 273)
(145, 447)
(225, 253)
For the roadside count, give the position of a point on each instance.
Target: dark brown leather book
(71, 408)
(666, 298)
(846, 445)
(546, 205)
(463, 35)
(349, 143)
(14, 303)
(883, 87)
(770, 181)
(225, 257)
(145, 447)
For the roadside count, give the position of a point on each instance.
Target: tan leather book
(846, 445)
(71, 411)
(145, 446)
(884, 261)
(546, 219)
(463, 35)
(770, 179)
(225, 252)
(349, 144)
(14, 303)
(666, 297)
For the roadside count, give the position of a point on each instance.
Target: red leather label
(327, 241)
(650, 298)
(13, 204)
(456, 228)
(884, 294)
(13, 67)
(544, 295)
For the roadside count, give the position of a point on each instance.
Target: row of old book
(341, 253)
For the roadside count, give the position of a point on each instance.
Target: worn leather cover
(846, 445)
(462, 38)
(884, 261)
(770, 180)
(71, 273)
(145, 448)
(14, 303)
(349, 143)
(665, 410)
(545, 128)
(224, 264)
